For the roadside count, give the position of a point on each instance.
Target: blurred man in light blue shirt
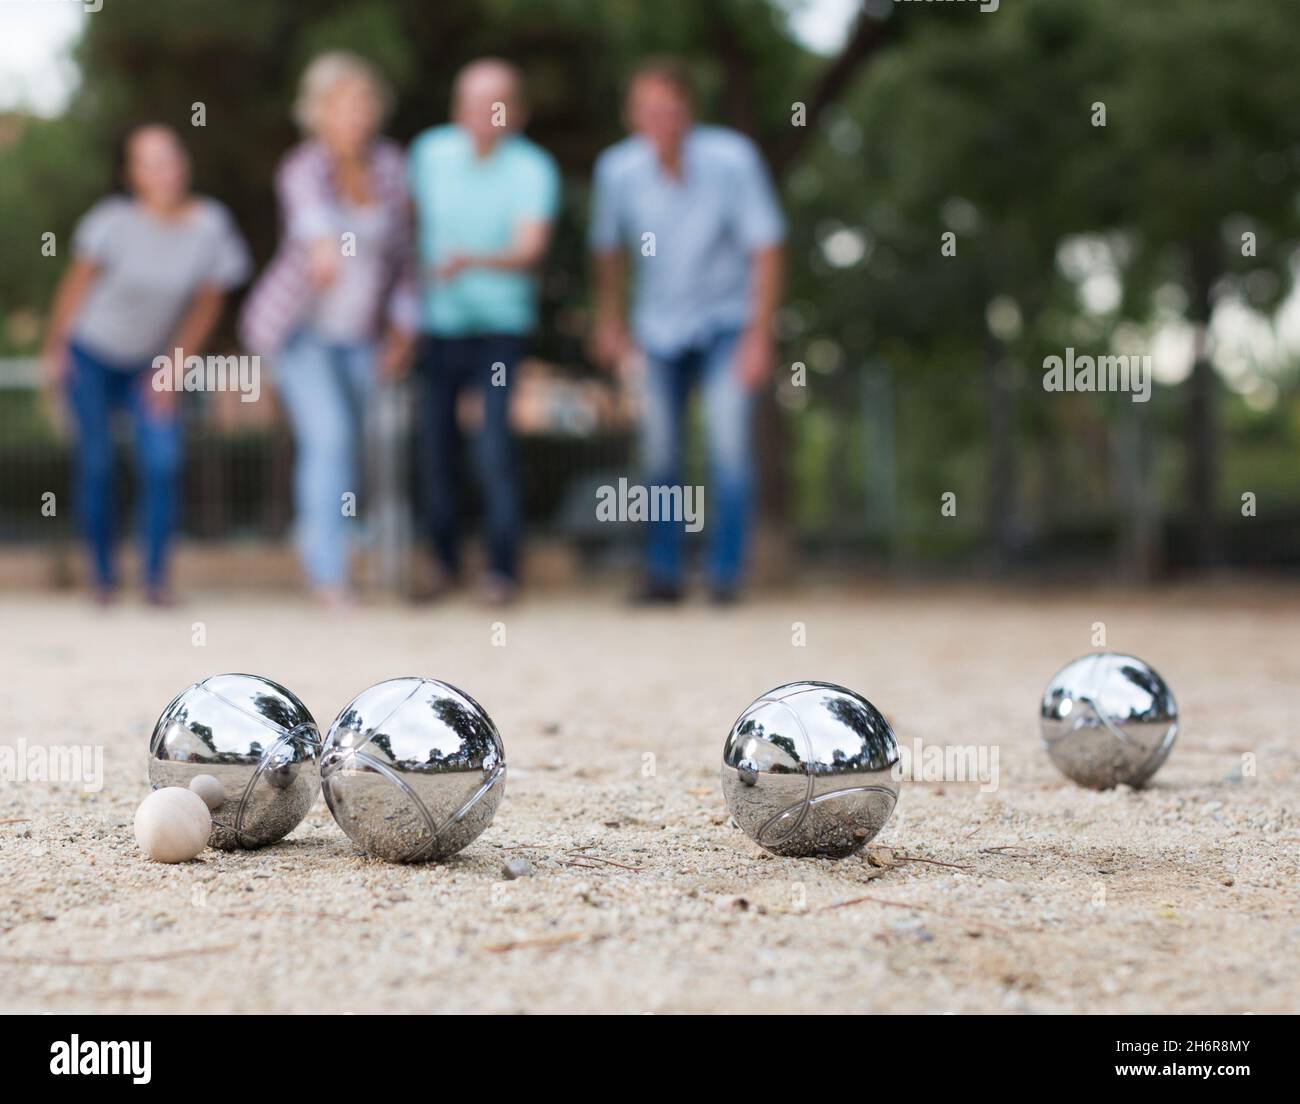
(694, 207)
(485, 196)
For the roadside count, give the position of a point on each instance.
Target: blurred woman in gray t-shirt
(151, 267)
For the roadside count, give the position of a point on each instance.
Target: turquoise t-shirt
(470, 205)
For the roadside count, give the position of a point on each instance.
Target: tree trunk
(1201, 428)
(881, 476)
(772, 431)
(1000, 517)
(1135, 494)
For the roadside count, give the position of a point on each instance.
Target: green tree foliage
(937, 118)
(983, 125)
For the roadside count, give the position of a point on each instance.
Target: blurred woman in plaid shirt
(336, 308)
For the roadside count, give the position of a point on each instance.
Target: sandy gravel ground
(1037, 897)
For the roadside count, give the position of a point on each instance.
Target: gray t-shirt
(149, 270)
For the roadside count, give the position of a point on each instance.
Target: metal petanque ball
(1108, 718)
(259, 743)
(808, 770)
(413, 769)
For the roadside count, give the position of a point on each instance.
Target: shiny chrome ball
(413, 769)
(257, 740)
(808, 770)
(1108, 718)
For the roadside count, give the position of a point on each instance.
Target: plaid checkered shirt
(308, 199)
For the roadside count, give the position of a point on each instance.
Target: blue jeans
(728, 407)
(96, 391)
(324, 388)
(449, 366)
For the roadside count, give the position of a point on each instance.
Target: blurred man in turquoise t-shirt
(485, 196)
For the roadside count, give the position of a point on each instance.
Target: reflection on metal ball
(413, 769)
(808, 770)
(259, 744)
(1108, 718)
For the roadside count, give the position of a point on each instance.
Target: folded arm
(527, 247)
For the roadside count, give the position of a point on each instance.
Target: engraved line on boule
(238, 827)
(803, 810)
(336, 760)
(1118, 733)
(297, 731)
(1093, 681)
(398, 781)
(884, 790)
(469, 698)
(497, 776)
(159, 729)
(807, 806)
(808, 795)
(370, 735)
(263, 721)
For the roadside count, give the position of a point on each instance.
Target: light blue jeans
(324, 388)
(728, 409)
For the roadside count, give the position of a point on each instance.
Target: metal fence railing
(866, 471)
(237, 474)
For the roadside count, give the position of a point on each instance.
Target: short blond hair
(327, 70)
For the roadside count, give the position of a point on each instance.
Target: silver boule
(256, 740)
(1108, 718)
(807, 769)
(413, 769)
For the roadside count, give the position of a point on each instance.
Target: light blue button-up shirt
(691, 238)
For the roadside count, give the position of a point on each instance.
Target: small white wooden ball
(172, 825)
(209, 788)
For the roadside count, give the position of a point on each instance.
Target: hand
(322, 263)
(395, 356)
(159, 402)
(755, 357)
(54, 367)
(611, 344)
(452, 266)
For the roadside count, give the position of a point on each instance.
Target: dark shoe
(498, 590)
(657, 594)
(724, 595)
(432, 585)
(160, 596)
(339, 599)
